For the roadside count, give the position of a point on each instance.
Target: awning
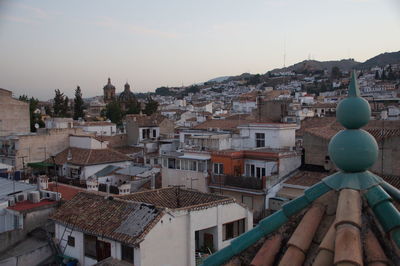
(40, 165)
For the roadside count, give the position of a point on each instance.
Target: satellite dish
(36, 125)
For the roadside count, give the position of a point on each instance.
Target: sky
(53, 44)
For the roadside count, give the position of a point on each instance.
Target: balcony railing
(245, 182)
(238, 181)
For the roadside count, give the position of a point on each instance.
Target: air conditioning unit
(34, 196)
(20, 197)
(11, 202)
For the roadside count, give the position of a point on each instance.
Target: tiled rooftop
(337, 228)
(124, 221)
(306, 178)
(146, 121)
(26, 206)
(90, 156)
(67, 191)
(177, 198)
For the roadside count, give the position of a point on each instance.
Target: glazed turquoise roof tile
(360, 180)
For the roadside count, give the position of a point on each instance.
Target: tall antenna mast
(284, 52)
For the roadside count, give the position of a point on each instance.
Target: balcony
(244, 182)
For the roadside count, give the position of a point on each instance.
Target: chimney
(153, 181)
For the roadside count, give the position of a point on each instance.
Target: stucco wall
(315, 149)
(189, 179)
(171, 242)
(37, 148)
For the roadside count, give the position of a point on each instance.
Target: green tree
(134, 107)
(383, 75)
(114, 113)
(151, 106)
(78, 104)
(35, 117)
(377, 75)
(335, 73)
(65, 108)
(58, 103)
(163, 91)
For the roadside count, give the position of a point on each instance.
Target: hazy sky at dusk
(49, 44)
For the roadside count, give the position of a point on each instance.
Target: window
(127, 253)
(90, 246)
(260, 140)
(154, 133)
(253, 171)
(103, 250)
(192, 165)
(233, 229)
(201, 167)
(71, 241)
(171, 163)
(218, 168)
(143, 133)
(155, 161)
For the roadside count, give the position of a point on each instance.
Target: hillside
(313, 65)
(381, 60)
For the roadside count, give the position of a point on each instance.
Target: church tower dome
(109, 92)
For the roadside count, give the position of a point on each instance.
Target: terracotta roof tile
(67, 191)
(323, 258)
(266, 255)
(304, 233)
(147, 121)
(373, 250)
(124, 221)
(328, 243)
(80, 156)
(306, 178)
(177, 198)
(349, 208)
(293, 257)
(348, 245)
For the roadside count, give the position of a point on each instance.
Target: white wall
(287, 165)
(78, 251)
(108, 130)
(171, 242)
(157, 129)
(86, 143)
(275, 138)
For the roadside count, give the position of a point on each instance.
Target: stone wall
(15, 116)
(40, 147)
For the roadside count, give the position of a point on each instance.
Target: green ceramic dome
(353, 112)
(353, 150)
